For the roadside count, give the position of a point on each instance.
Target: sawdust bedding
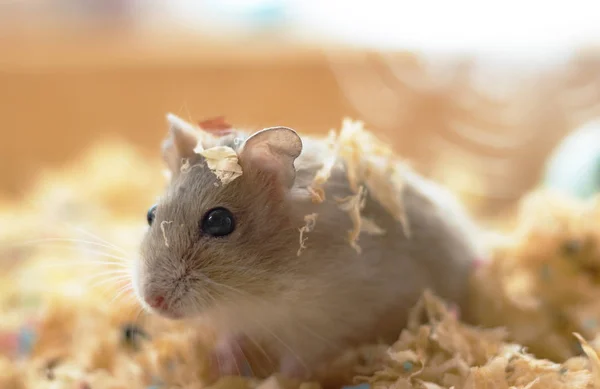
(537, 294)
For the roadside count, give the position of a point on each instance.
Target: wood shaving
(185, 165)
(323, 174)
(593, 357)
(530, 284)
(310, 221)
(223, 162)
(438, 351)
(317, 194)
(353, 205)
(370, 163)
(164, 233)
(370, 227)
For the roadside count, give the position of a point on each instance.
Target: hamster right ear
(180, 143)
(273, 151)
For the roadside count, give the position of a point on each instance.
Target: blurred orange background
(67, 82)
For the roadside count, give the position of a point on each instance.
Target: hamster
(229, 253)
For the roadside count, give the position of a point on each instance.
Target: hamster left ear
(179, 144)
(273, 151)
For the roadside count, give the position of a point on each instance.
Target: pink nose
(156, 302)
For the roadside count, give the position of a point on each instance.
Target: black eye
(150, 215)
(218, 222)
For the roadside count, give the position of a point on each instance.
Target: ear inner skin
(273, 151)
(180, 143)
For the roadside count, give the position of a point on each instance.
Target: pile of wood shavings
(79, 332)
(370, 165)
(444, 353)
(542, 280)
(79, 346)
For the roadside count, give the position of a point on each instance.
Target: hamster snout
(159, 304)
(156, 302)
(162, 295)
(162, 302)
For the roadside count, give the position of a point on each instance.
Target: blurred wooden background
(60, 92)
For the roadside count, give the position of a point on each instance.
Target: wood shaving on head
(185, 166)
(223, 162)
(164, 233)
(310, 221)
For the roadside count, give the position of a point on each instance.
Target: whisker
(261, 349)
(237, 367)
(108, 281)
(120, 282)
(109, 284)
(120, 293)
(236, 267)
(193, 253)
(284, 344)
(115, 272)
(219, 363)
(135, 311)
(122, 260)
(104, 254)
(99, 239)
(138, 315)
(290, 349)
(200, 304)
(78, 263)
(73, 240)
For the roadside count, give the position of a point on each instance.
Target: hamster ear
(180, 143)
(273, 151)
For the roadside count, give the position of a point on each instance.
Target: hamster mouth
(166, 311)
(170, 314)
(169, 310)
(162, 309)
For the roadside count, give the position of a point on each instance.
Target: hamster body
(250, 282)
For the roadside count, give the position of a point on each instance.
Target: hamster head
(208, 244)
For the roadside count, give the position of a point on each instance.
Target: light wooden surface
(60, 92)
(57, 96)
